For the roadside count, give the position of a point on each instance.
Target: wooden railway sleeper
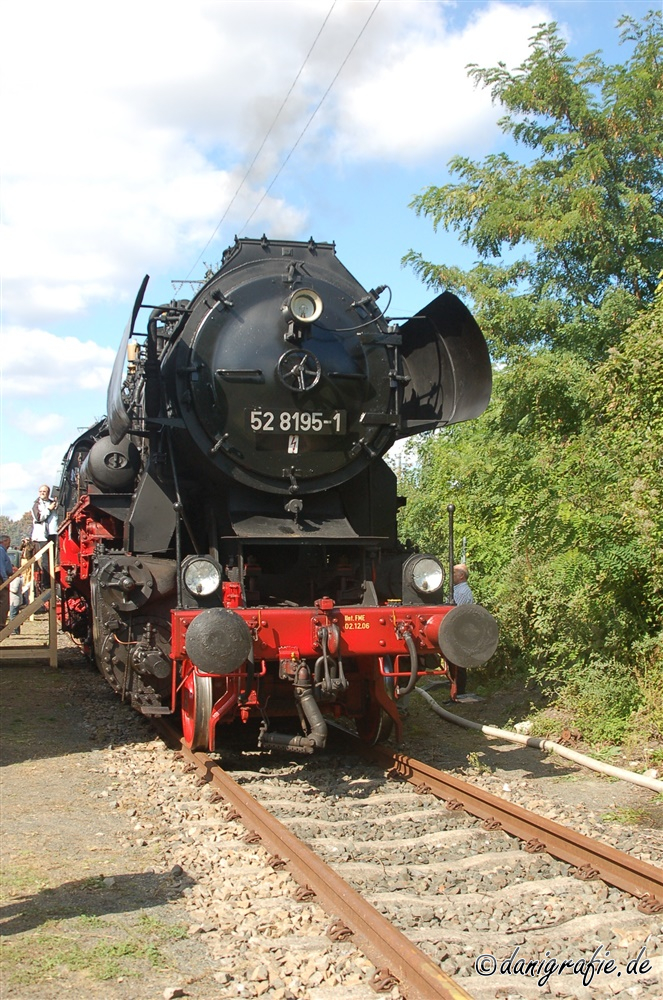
(616, 868)
(380, 940)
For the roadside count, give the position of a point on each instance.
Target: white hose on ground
(548, 745)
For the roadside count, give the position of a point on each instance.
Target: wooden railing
(32, 652)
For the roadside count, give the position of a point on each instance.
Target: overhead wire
(273, 124)
(264, 141)
(312, 116)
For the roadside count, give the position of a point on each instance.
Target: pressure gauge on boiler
(305, 305)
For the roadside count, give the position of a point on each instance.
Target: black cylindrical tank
(111, 467)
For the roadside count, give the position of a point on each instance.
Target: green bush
(557, 490)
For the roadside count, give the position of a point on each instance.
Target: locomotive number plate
(296, 421)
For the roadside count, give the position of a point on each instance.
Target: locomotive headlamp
(423, 577)
(427, 575)
(305, 305)
(201, 575)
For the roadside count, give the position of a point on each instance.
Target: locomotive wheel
(375, 726)
(197, 704)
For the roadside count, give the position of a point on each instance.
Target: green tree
(16, 529)
(558, 490)
(558, 486)
(570, 241)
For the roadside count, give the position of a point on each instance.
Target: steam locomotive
(227, 533)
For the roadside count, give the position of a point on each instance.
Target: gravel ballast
(122, 879)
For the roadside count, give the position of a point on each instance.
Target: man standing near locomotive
(44, 525)
(462, 595)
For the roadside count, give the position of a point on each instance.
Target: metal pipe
(414, 666)
(450, 510)
(307, 705)
(177, 507)
(304, 697)
(250, 676)
(182, 511)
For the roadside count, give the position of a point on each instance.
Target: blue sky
(129, 128)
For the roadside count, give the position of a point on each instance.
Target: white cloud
(21, 480)
(37, 363)
(128, 128)
(37, 424)
(418, 100)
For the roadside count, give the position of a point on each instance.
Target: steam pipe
(304, 696)
(414, 666)
(308, 705)
(152, 371)
(182, 512)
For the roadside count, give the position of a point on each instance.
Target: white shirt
(47, 524)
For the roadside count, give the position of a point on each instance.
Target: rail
(590, 858)
(396, 958)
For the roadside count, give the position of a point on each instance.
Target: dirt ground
(90, 909)
(86, 907)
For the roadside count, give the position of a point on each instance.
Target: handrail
(49, 650)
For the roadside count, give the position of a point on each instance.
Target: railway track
(444, 903)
